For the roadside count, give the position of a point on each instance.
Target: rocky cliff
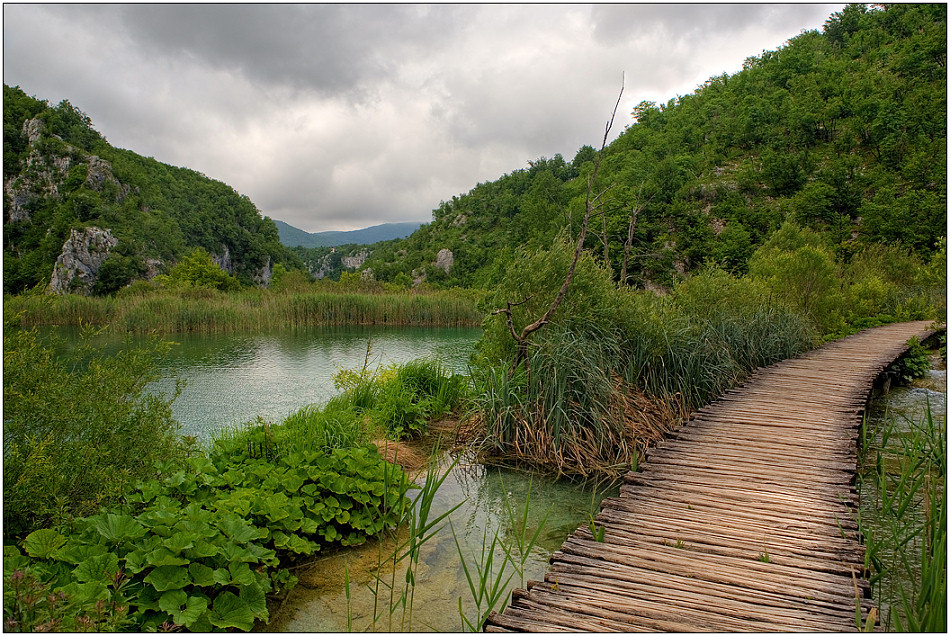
(78, 264)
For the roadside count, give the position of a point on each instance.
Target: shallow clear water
(906, 407)
(233, 378)
(319, 602)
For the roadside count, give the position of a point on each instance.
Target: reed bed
(596, 396)
(210, 311)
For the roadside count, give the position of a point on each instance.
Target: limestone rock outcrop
(356, 261)
(77, 266)
(444, 260)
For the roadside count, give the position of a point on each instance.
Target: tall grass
(597, 396)
(903, 518)
(394, 402)
(614, 368)
(211, 311)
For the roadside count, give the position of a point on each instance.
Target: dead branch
(628, 245)
(521, 340)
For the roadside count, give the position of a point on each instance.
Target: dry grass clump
(644, 420)
(630, 423)
(402, 454)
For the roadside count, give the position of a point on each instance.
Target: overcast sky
(337, 117)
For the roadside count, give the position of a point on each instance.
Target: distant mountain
(291, 236)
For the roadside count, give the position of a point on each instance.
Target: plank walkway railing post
(739, 522)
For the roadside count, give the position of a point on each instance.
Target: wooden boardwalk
(741, 521)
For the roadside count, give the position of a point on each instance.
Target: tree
(198, 270)
(800, 270)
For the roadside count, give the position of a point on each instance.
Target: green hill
(843, 131)
(109, 215)
(295, 237)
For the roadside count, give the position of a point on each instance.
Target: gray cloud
(342, 116)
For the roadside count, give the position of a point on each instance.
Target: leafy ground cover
(203, 546)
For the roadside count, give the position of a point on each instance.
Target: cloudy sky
(337, 117)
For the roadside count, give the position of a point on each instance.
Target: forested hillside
(133, 216)
(842, 131)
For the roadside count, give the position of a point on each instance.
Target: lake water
(234, 378)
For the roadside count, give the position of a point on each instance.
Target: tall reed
(596, 394)
(422, 525)
(903, 518)
(211, 311)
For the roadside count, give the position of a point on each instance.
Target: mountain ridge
(291, 236)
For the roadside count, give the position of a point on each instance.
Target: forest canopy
(60, 174)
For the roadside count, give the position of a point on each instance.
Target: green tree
(800, 270)
(198, 270)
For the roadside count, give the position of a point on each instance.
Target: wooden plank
(727, 497)
(745, 572)
(696, 613)
(695, 507)
(659, 588)
(762, 538)
(700, 543)
(694, 482)
(794, 536)
(621, 575)
(674, 479)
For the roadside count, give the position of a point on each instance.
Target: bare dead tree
(628, 245)
(592, 201)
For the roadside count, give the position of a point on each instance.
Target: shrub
(198, 270)
(78, 428)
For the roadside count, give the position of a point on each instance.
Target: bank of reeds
(903, 518)
(596, 398)
(211, 311)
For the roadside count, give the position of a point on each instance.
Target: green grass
(395, 402)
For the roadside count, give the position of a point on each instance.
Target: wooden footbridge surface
(741, 521)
